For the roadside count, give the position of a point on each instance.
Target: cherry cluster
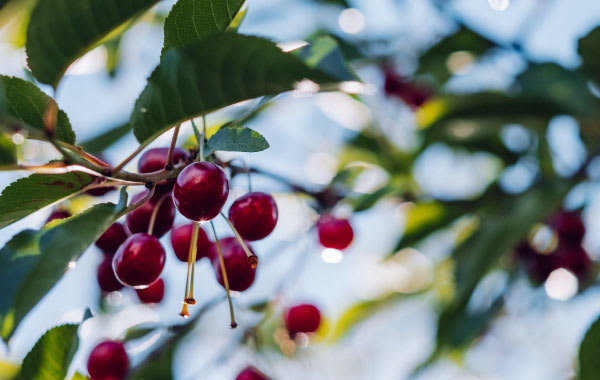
(135, 257)
(566, 252)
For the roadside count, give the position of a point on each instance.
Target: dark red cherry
(572, 256)
(181, 238)
(152, 294)
(537, 265)
(254, 215)
(139, 261)
(413, 94)
(303, 318)
(334, 233)
(200, 191)
(108, 361)
(139, 219)
(155, 159)
(100, 191)
(58, 214)
(568, 225)
(106, 276)
(112, 238)
(251, 373)
(239, 272)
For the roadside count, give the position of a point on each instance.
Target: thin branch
(169, 165)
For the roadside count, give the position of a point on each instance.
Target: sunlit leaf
(236, 139)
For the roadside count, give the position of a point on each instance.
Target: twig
(169, 165)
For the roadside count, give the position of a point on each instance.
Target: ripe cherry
(239, 271)
(334, 233)
(138, 220)
(413, 94)
(58, 214)
(100, 191)
(108, 361)
(200, 191)
(106, 276)
(155, 159)
(572, 256)
(538, 266)
(251, 373)
(254, 215)
(303, 318)
(152, 294)
(181, 238)
(139, 261)
(568, 226)
(112, 238)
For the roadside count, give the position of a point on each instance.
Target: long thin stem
(187, 297)
(252, 258)
(202, 138)
(169, 165)
(79, 151)
(194, 251)
(128, 159)
(225, 278)
(155, 213)
(136, 205)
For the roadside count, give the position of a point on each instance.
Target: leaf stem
(225, 278)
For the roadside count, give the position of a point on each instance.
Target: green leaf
(101, 142)
(324, 53)
(50, 357)
(32, 262)
(60, 31)
(589, 366)
(191, 21)
(138, 332)
(8, 150)
(235, 139)
(362, 310)
(588, 50)
(79, 376)
(22, 104)
(434, 61)
(30, 194)
(366, 201)
(221, 70)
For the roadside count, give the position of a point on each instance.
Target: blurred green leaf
(50, 357)
(366, 201)
(101, 142)
(113, 54)
(342, 3)
(191, 21)
(434, 61)
(8, 150)
(29, 194)
(235, 139)
(32, 262)
(323, 53)
(22, 104)
(588, 50)
(79, 25)
(350, 50)
(138, 332)
(79, 376)
(589, 351)
(221, 70)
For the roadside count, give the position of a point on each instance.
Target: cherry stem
(225, 278)
(139, 203)
(252, 258)
(187, 297)
(246, 170)
(169, 163)
(121, 165)
(155, 213)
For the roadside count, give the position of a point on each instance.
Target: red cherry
(139, 219)
(152, 294)
(334, 233)
(108, 361)
(139, 260)
(200, 191)
(100, 191)
(568, 226)
(155, 159)
(112, 238)
(572, 256)
(251, 373)
(254, 215)
(538, 266)
(58, 214)
(181, 238)
(239, 272)
(303, 318)
(106, 276)
(414, 95)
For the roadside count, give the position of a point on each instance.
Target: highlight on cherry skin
(302, 318)
(254, 215)
(251, 373)
(138, 220)
(200, 191)
(239, 271)
(181, 239)
(108, 361)
(139, 260)
(334, 233)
